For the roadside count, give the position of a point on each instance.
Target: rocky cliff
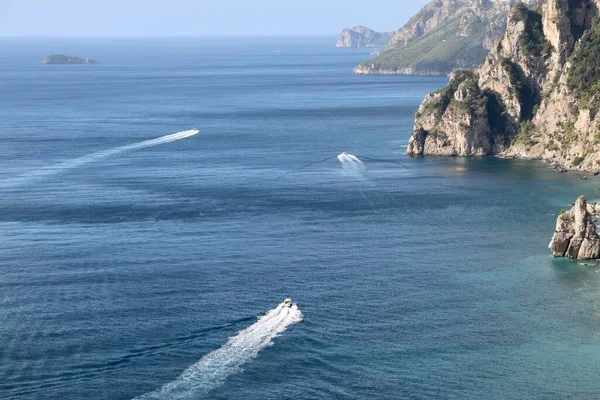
(360, 36)
(575, 235)
(535, 96)
(443, 36)
(62, 59)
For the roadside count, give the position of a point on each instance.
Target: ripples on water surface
(429, 279)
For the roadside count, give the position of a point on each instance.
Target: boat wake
(215, 367)
(350, 161)
(95, 157)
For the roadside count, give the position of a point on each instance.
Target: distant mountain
(360, 36)
(62, 59)
(445, 35)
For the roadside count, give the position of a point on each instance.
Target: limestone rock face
(575, 235)
(360, 36)
(541, 84)
(594, 209)
(445, 35)
(456, 121)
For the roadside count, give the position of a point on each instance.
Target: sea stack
(575, 236)
(62, 59)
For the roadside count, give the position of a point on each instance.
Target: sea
(140, 259)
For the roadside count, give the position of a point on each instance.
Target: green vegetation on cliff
(584, 76)
(527, 96)
(464, 95)
(447, 35)
(526, 132)
(496, 111)
(544, 97)
(438, 52)
(533, 41)
(439, 105)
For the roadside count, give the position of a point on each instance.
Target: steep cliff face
(360, 36)
(575, 235)
(462, 103)
(541, 86)
(443, 36)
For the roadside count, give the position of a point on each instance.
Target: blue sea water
(418, 278)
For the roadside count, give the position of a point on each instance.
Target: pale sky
(199, 17)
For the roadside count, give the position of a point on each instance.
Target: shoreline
(361, 70)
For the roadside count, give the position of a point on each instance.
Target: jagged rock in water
(576, 236)
(539, 86)
(445, 35)
(594, 209)
(62, 59)
(360, 36)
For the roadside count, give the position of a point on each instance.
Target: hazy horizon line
(165, 36)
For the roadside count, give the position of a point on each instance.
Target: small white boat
(287, 302)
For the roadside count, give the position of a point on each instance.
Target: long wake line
(94, 157)
(215, 367)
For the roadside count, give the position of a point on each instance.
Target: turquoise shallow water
(417, 278)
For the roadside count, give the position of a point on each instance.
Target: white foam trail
(353, 167)
(94, 157)
(214, 368)
(350, 161)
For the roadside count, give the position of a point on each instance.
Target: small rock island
(62, 59)
(575, 236)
